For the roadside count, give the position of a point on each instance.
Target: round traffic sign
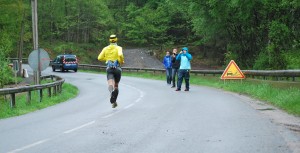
(35, 59)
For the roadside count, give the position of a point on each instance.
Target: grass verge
(22, 107)
(284, 95)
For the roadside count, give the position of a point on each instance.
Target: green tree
(75, 21)
(146, 25)
(10, 26)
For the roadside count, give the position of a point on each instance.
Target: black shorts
(114, 73)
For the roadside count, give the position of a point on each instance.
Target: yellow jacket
(112, 52)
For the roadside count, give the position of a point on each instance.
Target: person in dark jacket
(175, 67)
(168, 66)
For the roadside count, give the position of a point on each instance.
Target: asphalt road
(151, 118)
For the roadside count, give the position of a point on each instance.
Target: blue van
(65, 62)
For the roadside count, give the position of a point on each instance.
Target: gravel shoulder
(278, 117)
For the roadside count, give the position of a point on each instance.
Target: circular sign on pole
(43, 62)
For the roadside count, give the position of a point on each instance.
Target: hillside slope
(140, 58)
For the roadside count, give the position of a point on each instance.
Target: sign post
(35, 36)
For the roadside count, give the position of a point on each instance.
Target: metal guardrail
(57, 88)
(249, 73)
(277, 74)
(24, 60)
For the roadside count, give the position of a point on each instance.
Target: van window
(70, 59)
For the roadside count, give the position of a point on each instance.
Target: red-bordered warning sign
(232, 71)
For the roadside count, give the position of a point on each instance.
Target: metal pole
(39, 67)
(33, 24)
(35, 36)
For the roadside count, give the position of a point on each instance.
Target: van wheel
(53, 68)
(75, 70)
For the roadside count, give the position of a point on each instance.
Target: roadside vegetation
(283, 95)
(256, 34)
(22, 107)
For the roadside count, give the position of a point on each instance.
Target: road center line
(79, 127)
(141, 95)
(128, 106)
(109, 115)
(29, 146)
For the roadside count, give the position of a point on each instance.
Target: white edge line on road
(79, 127)
(29, 146)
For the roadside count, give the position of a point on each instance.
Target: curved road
(151, 118)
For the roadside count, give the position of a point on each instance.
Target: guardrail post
(12, 100)
(59, 88)
(49, 92)
(28, 97)
(41, 94)
(54, 90)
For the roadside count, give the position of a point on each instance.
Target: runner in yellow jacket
(114, 58)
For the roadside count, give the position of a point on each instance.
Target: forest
(257, 34)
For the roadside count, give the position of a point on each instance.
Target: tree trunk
(51, 21)
(21, 44)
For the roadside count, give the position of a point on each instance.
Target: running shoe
(114, 105)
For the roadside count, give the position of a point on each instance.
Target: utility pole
(35, 38)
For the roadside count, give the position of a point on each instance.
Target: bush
(262, 61)
(6, 74)
(293, 59)
(271, 59)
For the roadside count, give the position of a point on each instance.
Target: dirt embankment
(141, 58)
(145, 58)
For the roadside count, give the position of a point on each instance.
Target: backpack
(112, 64)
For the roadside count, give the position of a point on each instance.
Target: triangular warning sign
(232, 71)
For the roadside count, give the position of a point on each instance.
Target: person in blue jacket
(184, 70)
(168, 66)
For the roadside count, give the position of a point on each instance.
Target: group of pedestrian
(178, 65)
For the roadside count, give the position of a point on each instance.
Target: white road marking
(128, 106)
(79, 127)
(109, 115)
(141, 95)
(138, 100)
(29, 146)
